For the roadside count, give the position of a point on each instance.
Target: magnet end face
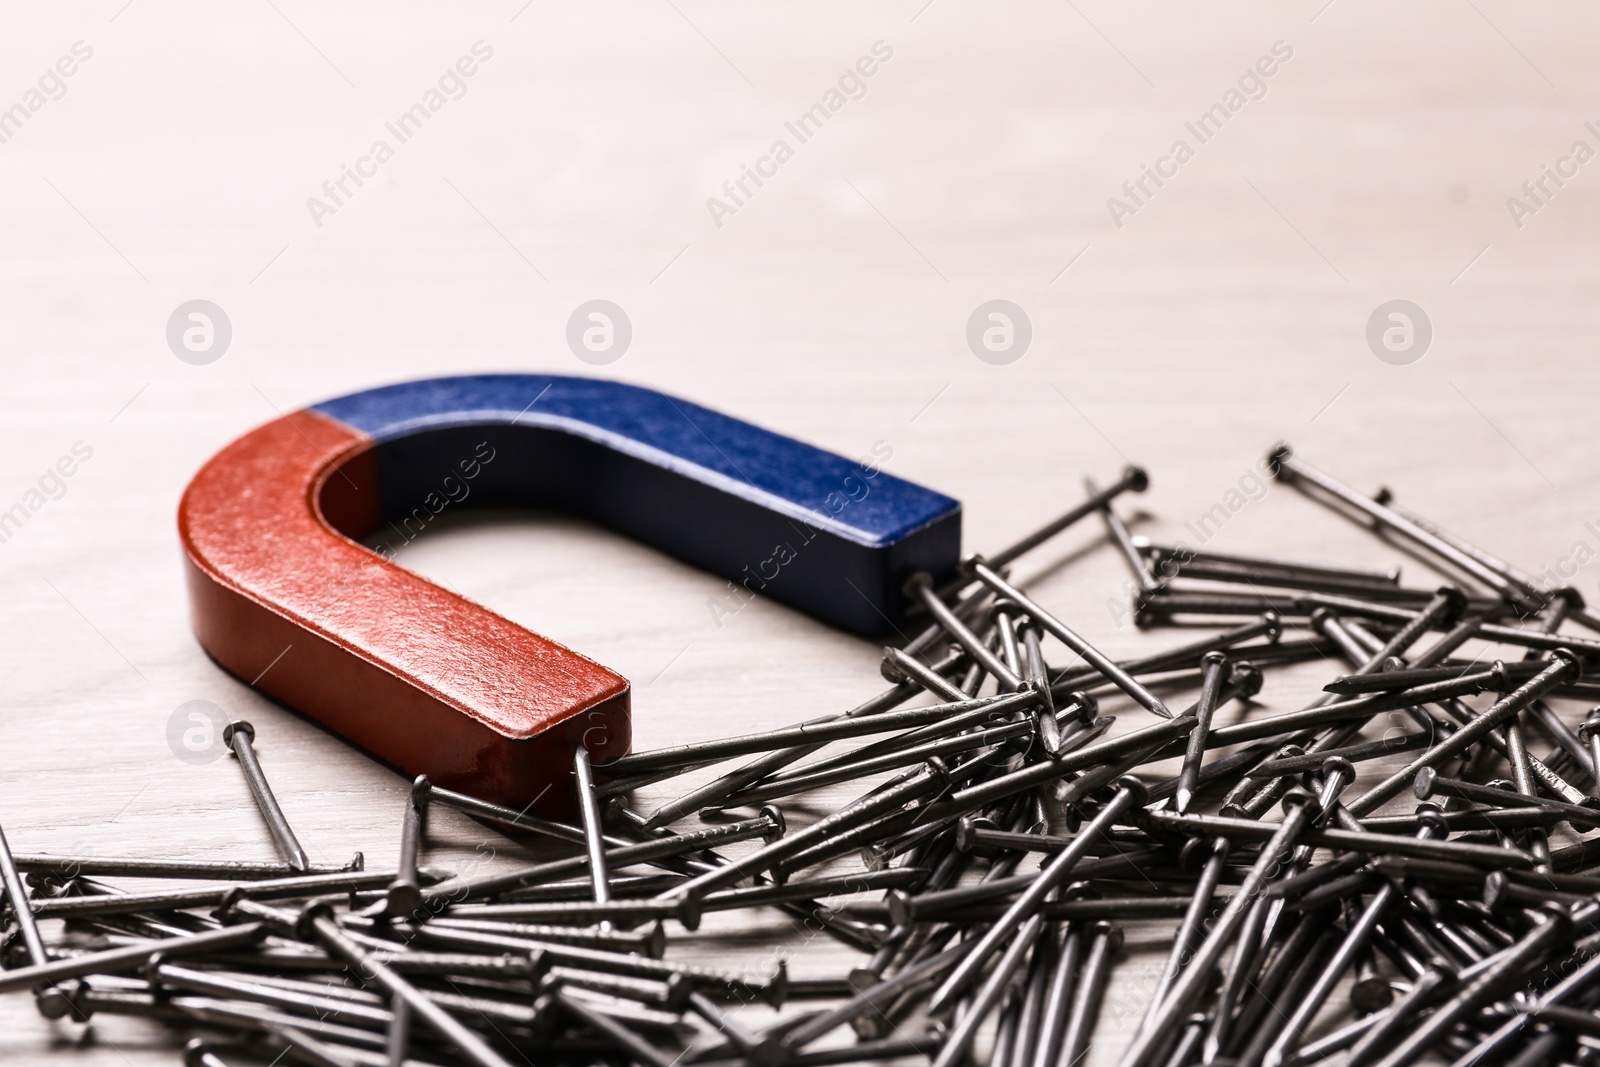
(285, 597)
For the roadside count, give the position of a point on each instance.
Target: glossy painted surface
(285, 597)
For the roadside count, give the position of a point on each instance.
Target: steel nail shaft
(1061, 632)
(240, 736)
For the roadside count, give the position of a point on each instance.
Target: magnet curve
(284, 596)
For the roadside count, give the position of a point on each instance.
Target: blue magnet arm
(833, 537)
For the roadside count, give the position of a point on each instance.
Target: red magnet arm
(430, 680)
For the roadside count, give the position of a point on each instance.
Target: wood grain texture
(1227, 313)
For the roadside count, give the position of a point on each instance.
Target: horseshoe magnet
(284, 595)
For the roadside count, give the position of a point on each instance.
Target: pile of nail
(1441, 903)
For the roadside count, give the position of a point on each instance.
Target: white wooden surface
(1226, 314)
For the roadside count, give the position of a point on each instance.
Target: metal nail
(210, 895)
(1269, 626)
(1038, 675)
(1189, 930)
(1367, 750)
(1529, 950)
(957, 713)
(649, 942)
(317, 922)
(915, 785)
(1525, 582)
(1283, 980)
(1337, 773)
(754, 771)
(1124, 541)
(1563, 666)
(1032, 775)
(1589, 732)
(1214, 674)
(1429, 783)
(966, 607)
(1105, 939)
(1288, 467)
(239, 735)
(1370, 989)
(1130, 794)
(1022, 941)
(1163, 551)
(1058, 999)
(458, 890)
(1285, 578)
(766, 1051)
(896, 663)
(1132, 479)
(56, 869)
(128, 957)
(1300, 807)
(1035, 990)
(329, 1002)
(920, 587)
(21, 906)
(404, 894)
(589, 811)
(1007, 619)
(1308, 1002)
(483, 809)
(636, 1047)
(1061, 632)
(1407, 677)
